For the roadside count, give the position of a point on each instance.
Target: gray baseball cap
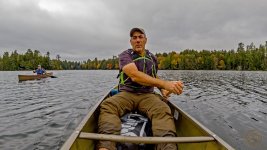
(137, 30)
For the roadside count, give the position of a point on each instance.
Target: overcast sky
(85, 29)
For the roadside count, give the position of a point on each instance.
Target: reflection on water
(41, 114)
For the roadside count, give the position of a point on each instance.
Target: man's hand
(175, 87)
(165, 94)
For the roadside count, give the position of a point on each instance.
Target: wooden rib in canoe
(191, 133)
(34, 77)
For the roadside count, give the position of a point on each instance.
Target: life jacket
(152, 71)
(39, 71)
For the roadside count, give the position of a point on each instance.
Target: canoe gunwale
(77, 131)
(217, 138)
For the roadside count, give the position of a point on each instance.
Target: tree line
(244, 57)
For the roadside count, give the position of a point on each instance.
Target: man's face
(138, 42)
(39, 67)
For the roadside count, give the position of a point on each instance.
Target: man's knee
(109, 106)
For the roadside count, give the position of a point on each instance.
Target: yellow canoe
(34, 77)
(192, 135)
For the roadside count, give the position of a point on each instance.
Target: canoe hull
(186, 126)
(34, 77)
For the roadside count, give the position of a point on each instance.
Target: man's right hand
(175, 87)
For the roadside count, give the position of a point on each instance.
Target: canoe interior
(186, 127)
(34, 77)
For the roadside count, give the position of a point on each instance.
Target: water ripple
(42, 114)
(230, 103)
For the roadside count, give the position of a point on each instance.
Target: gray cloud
(78, 30)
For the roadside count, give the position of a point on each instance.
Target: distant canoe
(34, 77)
(192, 135)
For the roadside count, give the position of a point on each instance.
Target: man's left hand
(165, 94)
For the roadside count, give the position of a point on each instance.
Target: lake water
(41, 114)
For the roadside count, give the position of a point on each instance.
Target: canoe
(34, 77)
(192, 135)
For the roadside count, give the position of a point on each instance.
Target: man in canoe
(39, 70)
(138, 77)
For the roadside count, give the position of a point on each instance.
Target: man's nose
(138, 40)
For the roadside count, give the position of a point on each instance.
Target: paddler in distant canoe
(39, 70)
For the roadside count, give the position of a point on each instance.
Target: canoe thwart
(145, 140)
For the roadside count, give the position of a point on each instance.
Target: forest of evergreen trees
(244, 57)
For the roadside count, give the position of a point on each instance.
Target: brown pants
(150, 104)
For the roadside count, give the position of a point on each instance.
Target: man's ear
(145, 40)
